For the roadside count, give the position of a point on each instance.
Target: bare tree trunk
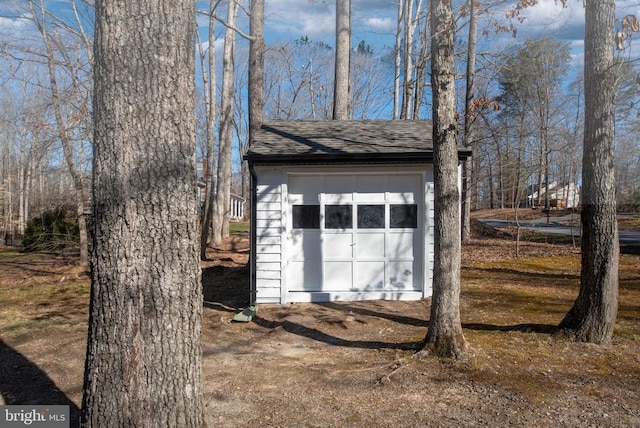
(520, 159)
(65, 141)
(397, 57)
(541, 178)
(469, 118)
(257, 48)
(408, 60)
(256, 68)
(312, 96)
(500, 162)
(27, 199)
(421, 67)
(476, 179)
(445, 337)
(593, 315)
(27, 185)
(143, 365)
(9, 229)
(210, 105)
(221, 212)
(491, 191)
(343, 54)
(22, 168)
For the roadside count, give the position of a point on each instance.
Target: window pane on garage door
(338, 217)
(370, 216)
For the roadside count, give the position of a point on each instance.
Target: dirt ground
(352, 364)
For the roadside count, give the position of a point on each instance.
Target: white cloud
(577, 54)
(627, 7)
(9, 23)
(12, 24)
(291, 19)
(381, 24)
(550, 18)
(218, 45)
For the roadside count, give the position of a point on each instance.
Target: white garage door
(355, 235)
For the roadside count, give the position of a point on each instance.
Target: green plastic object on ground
(246, 315)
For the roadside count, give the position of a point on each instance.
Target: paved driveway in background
(540, 225)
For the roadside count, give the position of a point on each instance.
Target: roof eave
(342, 158)
(346, 158)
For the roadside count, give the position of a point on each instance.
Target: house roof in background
(351, 141)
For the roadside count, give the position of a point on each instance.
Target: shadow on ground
(630, 249)
(226, 288)
(24, 383)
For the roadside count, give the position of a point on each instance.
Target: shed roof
(349, 141)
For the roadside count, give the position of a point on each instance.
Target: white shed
(341, 210)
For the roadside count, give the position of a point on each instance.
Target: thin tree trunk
(421, 68)
(520, 160)
(257, 48)
(445, 337)
(500, 162)
(467, 166)
(65, 141)
(476, 179)
(22, 167)
(593, 315)
(540, 174)
(408, 60)
(27, 189)
(256, 68)
(210, 106)
(397, 57)
(312, 97)
(491, 191)
(343, 51)
(221, 212)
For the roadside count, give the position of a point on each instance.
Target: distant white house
(238, 204)
(560, 195)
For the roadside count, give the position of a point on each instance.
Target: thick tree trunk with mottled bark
(343, 58)
(593, 315)
(143, 365)
(445, 337)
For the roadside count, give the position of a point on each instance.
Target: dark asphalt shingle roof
(348, 141)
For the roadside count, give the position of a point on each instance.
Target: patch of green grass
(629, 223)
(535, 236)
(236, 228)
(41, 307)
(6, 253)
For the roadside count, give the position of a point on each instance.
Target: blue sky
(374, 20)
